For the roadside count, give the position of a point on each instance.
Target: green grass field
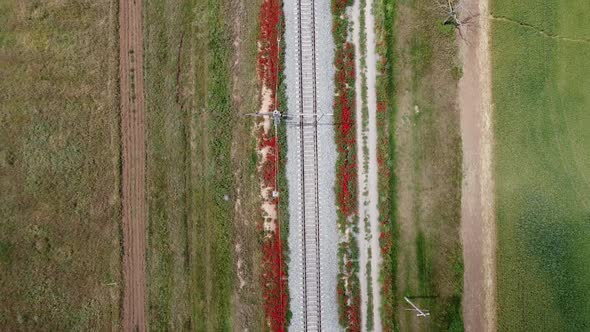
(193, 130)
(60, 237)
(60, 263)
(542, 165)
(169, 42)
(189, 286)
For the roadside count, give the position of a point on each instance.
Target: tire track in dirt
(133, 177)
(477, 206)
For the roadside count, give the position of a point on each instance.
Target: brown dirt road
(133, 177)
(477, 207)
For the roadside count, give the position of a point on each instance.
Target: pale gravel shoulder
(363, 257)
(292, 168)
(329, 236)
(368, 202)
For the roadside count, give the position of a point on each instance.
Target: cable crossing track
(310, 218)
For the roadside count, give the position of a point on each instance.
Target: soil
(133, 178)
(477, 210)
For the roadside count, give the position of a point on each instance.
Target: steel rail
(311, 307)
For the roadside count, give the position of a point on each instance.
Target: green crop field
(541, 80)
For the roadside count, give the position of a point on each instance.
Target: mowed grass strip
(542, 167)
(214, 277)
(60, 250)
(169, 84)
(189, 176)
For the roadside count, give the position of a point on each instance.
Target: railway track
(312, 302)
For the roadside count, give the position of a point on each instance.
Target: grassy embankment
(420, 185)
(248, 300)
(273, 221)
(200, 161)
(60, 263)
(542, 165)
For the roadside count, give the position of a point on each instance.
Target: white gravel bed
(327, 164)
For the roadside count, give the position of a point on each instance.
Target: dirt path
(477, 210)
(133, 137)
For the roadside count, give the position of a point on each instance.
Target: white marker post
(421, 313)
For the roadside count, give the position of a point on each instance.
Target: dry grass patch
(59, 166)
(428, 168)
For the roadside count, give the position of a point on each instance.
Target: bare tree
(457, 15)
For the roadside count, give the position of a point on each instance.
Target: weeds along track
(312, 303)
(133, 176)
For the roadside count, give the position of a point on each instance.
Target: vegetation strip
(346, 173)
(211, 259)
(271, 147)
(384, 11)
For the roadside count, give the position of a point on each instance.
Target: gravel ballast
(329, 236)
